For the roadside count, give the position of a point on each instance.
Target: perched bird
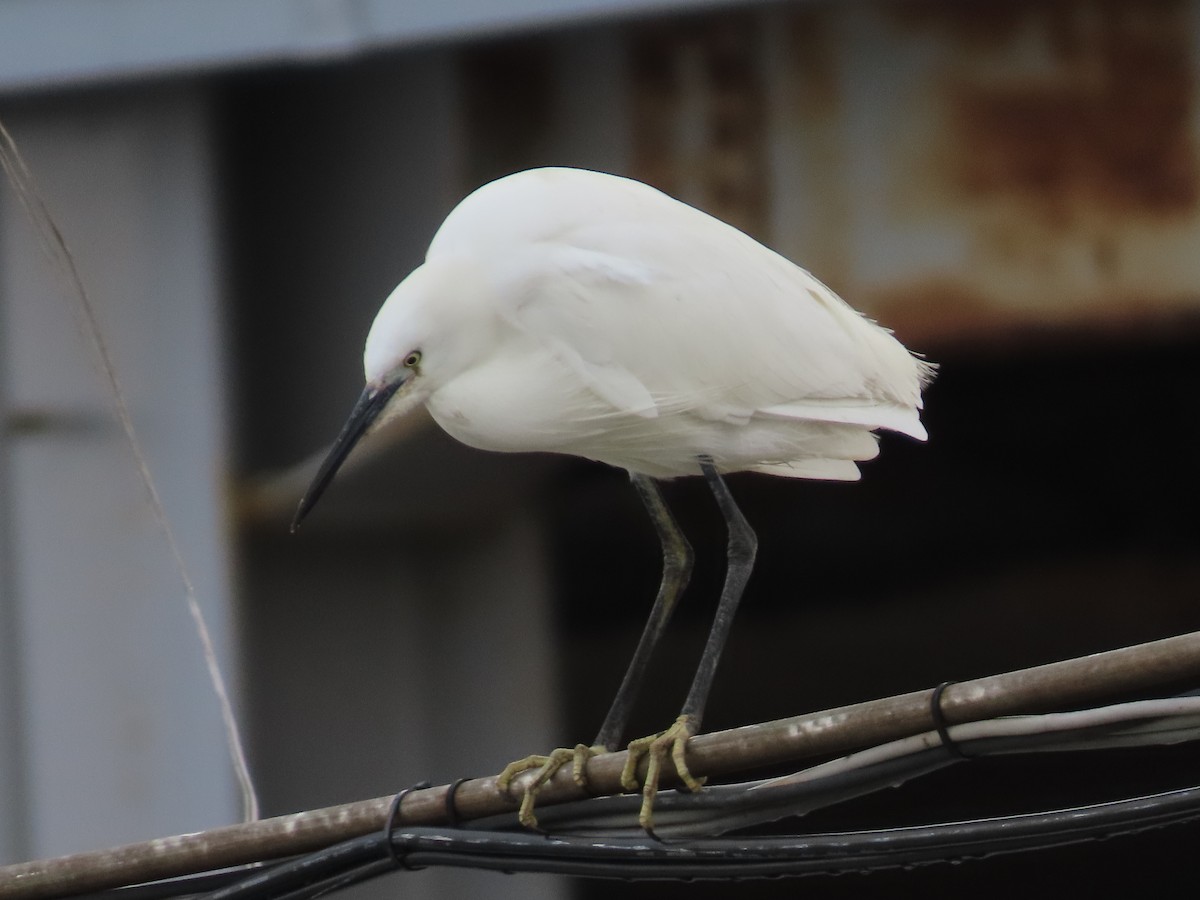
(576, 312)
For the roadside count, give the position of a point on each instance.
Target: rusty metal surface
(958, 170)
(699, 114)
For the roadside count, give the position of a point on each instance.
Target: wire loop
(451, 806)
(939, 721)
(390, 825)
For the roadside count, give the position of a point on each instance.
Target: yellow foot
(673, 741)
(546, 767)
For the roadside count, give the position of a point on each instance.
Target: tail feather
(903, 419)
(821, 469)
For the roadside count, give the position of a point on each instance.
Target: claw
(547, 767)
(656, 747)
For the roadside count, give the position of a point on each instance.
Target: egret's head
(428, 330)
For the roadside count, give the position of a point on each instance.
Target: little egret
(575, 312)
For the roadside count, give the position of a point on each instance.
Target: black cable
(756, 857)
(735, 858)
(589, 840)
(295, 875)
(182, 886)
(720, 809)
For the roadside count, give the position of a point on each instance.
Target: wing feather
(722, 346)
(661, 309)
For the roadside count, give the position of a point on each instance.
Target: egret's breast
(519, 402)
(530, 400)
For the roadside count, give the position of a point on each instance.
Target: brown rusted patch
(811, 61)
(655, 91)
(979, 24)
(699, 114)
(1094, 119)
(933, 310)
(937, 312)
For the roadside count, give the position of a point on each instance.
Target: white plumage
(574, 312)
(571, 311)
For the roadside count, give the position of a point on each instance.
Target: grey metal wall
(110, 732)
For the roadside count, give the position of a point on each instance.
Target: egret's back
(689, 337)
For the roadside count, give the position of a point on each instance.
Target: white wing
(662, 309)
(722, 336)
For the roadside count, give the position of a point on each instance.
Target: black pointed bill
(370, 404)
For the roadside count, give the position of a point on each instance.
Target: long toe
(545, 768)
(579, 762)
(657, 748)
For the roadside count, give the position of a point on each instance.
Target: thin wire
(754, 857)
(55, 246)
(737, 858)
(640, 857)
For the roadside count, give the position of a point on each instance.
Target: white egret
(575, 312)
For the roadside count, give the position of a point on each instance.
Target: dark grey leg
(743, 545)
(672, 743)
(677, 568)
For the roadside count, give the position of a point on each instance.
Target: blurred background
(1013, 187)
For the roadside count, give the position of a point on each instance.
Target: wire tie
(390, 825)
(939, 721)
(451, 806)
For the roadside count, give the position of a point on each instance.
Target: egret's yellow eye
(412, 360)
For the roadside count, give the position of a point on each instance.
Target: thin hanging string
(55, 247)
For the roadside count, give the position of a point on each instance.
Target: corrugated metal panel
(1060, 145)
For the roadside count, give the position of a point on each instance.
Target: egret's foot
(546, 767)
(673, 741)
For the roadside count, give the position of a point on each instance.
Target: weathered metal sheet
(956, 169)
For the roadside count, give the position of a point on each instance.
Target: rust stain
(812, 67)
(1095, 120)
(930, 309)
(655, 97)
(1048, 145)
(936, 312)
(699, 114)
(980, 24)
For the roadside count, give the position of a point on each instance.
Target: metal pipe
(1157, 665)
